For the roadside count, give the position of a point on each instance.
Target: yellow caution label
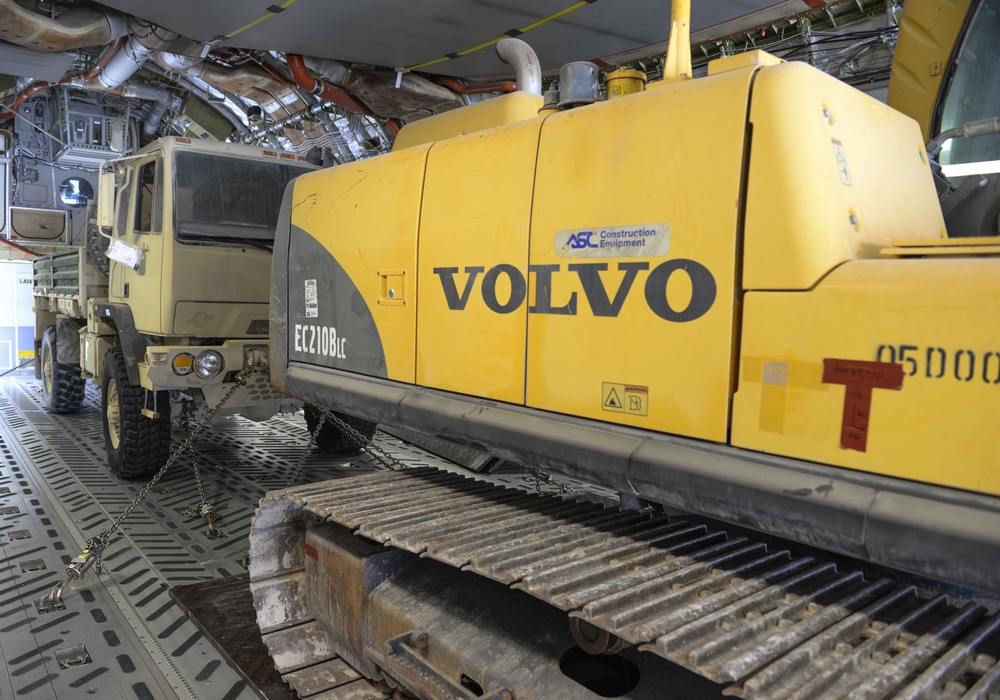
(25, 354)
(625, 398)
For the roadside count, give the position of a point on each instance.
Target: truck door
(139, 222)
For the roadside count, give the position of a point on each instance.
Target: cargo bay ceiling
(337, 78)
(404, 33)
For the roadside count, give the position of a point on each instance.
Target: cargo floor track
(768, 623)
(121, 635)
(765, 621)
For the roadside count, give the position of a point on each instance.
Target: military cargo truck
(169, 299)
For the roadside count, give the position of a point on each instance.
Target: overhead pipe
(152, 123)
(108, 54)
(175, 62)
(124, 64)
(527, 69)
(480, 89)
(245, 81)
(277, 74)
(133, 90)
(308, 82)
(79, 28)
(241, 79)
(234, 111)
(19, 248)
(279, 126)
(387, 93)
(240, 57)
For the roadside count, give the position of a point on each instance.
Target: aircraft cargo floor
(121, 635)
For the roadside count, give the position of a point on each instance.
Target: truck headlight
(208, 364)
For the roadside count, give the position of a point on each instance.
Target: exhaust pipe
(526, 66)
(677, 65)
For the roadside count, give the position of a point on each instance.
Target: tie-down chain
(90, 557)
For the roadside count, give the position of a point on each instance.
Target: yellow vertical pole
(678, 62)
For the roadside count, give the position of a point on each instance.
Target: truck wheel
(137, 446)
(331, 439)
(62, 385)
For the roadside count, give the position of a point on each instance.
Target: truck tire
(331, 439)
(62, 385)
(137, 446)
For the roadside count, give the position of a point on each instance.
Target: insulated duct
(251, 83)
(78, 28)
(308, 82)
(387, 93)
(175, 62)
(126, 62)
(155, 116)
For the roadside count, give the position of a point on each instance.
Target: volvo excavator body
(735, 296)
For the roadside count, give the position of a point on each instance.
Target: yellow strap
(267, 15)
(510, 35)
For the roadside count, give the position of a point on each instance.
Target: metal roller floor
(121, 635)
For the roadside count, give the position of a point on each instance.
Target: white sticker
(312, 299)
(322, 341)
(125, 253)
(841, 156)
(642, 241)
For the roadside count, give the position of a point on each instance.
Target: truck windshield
(224, 200)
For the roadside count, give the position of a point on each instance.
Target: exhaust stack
(678, 62)
(526, 66)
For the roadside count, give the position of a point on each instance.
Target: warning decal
(625, 398)
(860, 377)
(312, 299)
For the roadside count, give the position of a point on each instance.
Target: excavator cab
(952, 91)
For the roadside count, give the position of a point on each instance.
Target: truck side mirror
(106, 199)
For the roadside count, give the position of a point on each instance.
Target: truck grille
(259, 327)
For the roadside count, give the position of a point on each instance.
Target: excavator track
(765, 622)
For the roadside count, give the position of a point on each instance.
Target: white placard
(125, 253)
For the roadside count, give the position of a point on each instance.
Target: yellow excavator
(760, 305)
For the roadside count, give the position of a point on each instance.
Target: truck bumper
(169, 368)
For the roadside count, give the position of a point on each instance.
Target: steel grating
(769, 622)
(121, 635)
